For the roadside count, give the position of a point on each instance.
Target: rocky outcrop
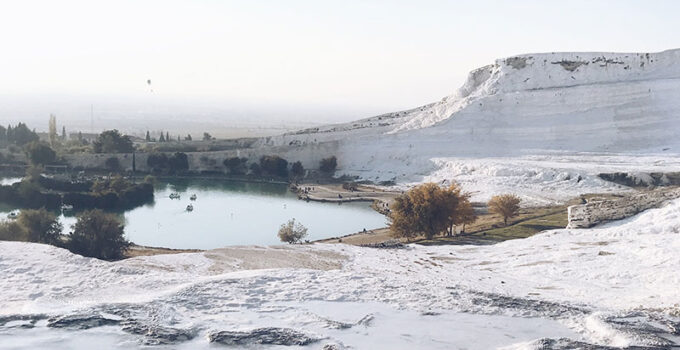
(84, 321)
(642, 179)
(600, 211)
(263, 336)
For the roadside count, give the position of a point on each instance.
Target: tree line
(18, 135)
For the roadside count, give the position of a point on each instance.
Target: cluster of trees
(292, 232)
(36, 191)
(112, 141)
(430, 210)
(96, 234)
(28, 194)
(275, 166)
(160, 162)
(112, 193)
(40, 153)
(18, 135)
(165, 137)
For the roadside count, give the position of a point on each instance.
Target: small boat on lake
(193, 197)
(66, 207)
(190, 207)
(174, 195)
(13, 214)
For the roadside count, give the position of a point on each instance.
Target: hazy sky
(357, 56)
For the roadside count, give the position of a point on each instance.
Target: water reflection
(231, 213)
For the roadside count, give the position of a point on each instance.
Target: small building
(89, 137)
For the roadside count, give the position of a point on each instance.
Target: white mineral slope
(624, 266)
(594, 105)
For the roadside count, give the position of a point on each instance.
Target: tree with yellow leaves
(505, 205)
(428, 210)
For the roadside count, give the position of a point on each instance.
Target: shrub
(157, 160)
(505, 205)
(99, 235)
(274, 166)
(12, 231)
(236, 165)
(292, 232)
(39, 153)
(350, 186)
(40, 226)
(178, 162)
(255, 169)
(328, 165)
(297, 170)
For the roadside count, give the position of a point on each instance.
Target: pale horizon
(300, 61)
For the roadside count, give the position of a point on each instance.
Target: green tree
(255, 169)
(111, 141)
(162, 138)
(505, 205)
(188, 137)
(297, 170)
(21, 135)
(178, 162)
(328, 165)
(40, 226)
(236, 165)
(148, 136)
(207, 136)
(39, 153)
(99, 235)
(157, 161)
(274, 166)
(292, 232)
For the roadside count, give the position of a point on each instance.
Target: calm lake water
(233, 213)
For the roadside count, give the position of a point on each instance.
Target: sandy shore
(336, 193)
(140, 250)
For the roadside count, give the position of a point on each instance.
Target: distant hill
(534, 103)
